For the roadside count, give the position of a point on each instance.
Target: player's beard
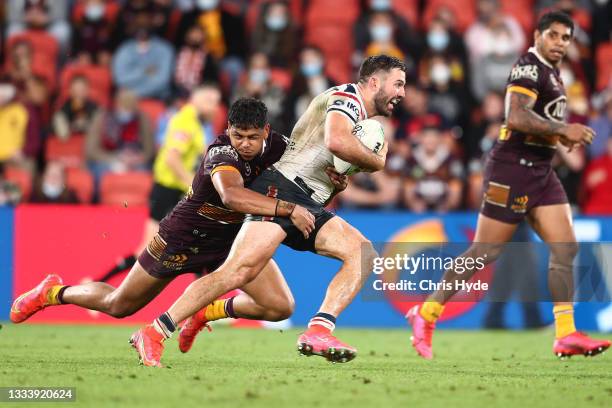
(380, 103)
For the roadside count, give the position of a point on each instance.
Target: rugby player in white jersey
(302, 176)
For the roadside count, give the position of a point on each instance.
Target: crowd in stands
(88, 86)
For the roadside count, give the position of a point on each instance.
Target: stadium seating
(23, 179)
(70, 152)
(522, 11)
(127, 189)
(81, 181)
(464, 11)
(408, 9)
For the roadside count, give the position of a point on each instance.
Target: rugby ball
(370, 132)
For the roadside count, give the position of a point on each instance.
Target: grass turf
(236, 367)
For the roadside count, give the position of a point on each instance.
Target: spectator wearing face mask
(393, 29)
(223, 23)
(596, 194)
(51, 188)
(121, 139)
(434, 177)
(445, 84)
(382, 36)
(309, 81)
(77, 113)
(601, 123)
(195, 63)
(275, 34)
(50, 16)
(494, 42)
(93, 22)
(144, 63)
(257, 84)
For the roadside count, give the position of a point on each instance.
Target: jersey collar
(541, 58)
(358, 92)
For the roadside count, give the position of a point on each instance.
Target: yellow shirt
(13, 126)
(186, 135)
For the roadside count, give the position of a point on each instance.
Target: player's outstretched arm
(230, 186)
(522, 118)
(340, 141)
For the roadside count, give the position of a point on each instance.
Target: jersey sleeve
(524, 79)
(219, 158)
(345, 103)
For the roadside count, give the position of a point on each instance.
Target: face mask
(311, 69)
(207, 4)
(437, 40)
(124, 116)
(259, 76)
(381, 32)
(94, 12)
(276, 23)
(567, 76)
(440, 74)
(381, 5)
(51, 190)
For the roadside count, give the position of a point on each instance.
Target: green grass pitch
(260, 368)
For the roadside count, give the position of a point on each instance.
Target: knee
(282, 310)
(120, 309)
(563, 253)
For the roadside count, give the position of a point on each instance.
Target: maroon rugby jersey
(532, 75)
(201, 217)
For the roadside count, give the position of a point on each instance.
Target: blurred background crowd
(87, 88)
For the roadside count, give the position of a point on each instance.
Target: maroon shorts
(512, 189)
(163, 260)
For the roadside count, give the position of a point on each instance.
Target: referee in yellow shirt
(176, 162)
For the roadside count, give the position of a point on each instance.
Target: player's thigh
(139, 288)
(490, 230)
(338, 239)
(255, 244)
(269, 289)
(553, 223)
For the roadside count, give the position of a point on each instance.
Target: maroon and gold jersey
(201, 217)
(534, 76)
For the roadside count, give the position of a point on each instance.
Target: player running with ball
(520, 183)
(300, 176)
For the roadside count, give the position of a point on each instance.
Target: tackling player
(197, 235)
(520, 183)
(175, 164)
(323, 131)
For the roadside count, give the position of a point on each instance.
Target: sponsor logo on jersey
(555, 109)
(524, 71)
(520, 204)
(226, 150)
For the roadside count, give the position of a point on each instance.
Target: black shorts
(273, 184)
(162, 200)
(162, 259)
(512, 189)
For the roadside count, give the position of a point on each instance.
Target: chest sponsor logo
(524, 71)
(247, 169)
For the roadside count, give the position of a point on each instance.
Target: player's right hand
(577, 133)
(303, 220)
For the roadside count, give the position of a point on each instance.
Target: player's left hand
(568, 143)
(340, 181)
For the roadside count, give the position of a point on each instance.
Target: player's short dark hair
(551, 17)
(247, 113)
(376, 63)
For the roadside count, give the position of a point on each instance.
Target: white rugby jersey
(306, 156)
